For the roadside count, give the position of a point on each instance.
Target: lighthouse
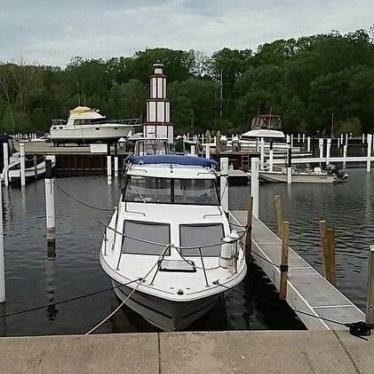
(158, 123)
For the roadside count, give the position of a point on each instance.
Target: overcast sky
(53, 31)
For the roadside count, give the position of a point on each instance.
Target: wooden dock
(307, 291)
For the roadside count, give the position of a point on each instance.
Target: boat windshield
(170, 191)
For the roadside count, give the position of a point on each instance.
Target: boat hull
(297, 178)
(167, 315)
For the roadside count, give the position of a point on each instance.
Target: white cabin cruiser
(169, 248)
(86, 125)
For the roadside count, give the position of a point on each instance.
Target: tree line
(316, 83)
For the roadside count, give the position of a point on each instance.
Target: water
(33, 280)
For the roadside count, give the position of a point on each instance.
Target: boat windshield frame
(211, 196)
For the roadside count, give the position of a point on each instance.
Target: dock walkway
(265, 352)
(308, 291)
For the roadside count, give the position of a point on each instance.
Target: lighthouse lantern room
(158, 123)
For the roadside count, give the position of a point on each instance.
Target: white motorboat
(317, 175)
(33, 168)
(86, 125)
(169, 248)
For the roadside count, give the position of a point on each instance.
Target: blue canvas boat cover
(172, 159)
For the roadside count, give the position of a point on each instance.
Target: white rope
(129, 295)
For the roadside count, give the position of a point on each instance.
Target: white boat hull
(297, 178)
(167, 315)
(89, 133)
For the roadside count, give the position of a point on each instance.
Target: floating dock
(307, 290)
(265, 352)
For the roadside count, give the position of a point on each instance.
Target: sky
(51, 32)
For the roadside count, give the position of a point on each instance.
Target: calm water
(33, 280)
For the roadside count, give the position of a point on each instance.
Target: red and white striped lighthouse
(158, 123)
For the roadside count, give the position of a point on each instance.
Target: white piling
(308, 144)
(370, 288)
(224, 183)
(341, 139)
(320, 149)
(345, 148)
(298, 138)
(207, 151)
(116, 166)
(271, 157)
(328, 150)
(193, 150)
(49, 182)
(255, 185)
(287, 139)
(22, 163)
(291, 140)
(262, 153)
(2, 262)
(6, 163)
(363, 138)
(109, 166)
(338, 142)
(368, 162)
(346, 139)
(303, 138)
(289, 166)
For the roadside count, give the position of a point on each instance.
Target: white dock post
(298, 137)
(109, 166)
(338, 142)
(287, 139)
(345, 147)
(271, 156)
(116, 166)
(328, 149)
(2, 262)
(6, 163)
(346, 139)
(308, 144)
(289, 166)
(368, 162)
(320, 150)
(224, 183)
(303, 138)
(207, 151)
(370, 290)
(363, 138)
(255, 185)
(341, 139)
(50, 204)
(22, 163)
(291, 140)
(193, 150)
(262, 153)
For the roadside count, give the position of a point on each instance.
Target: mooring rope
(81, 202)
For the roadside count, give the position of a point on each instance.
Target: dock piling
(370, 289)
(224, 183)
(328, 249)
(284, 262)
(109, 166)
(6, 163)
(22, 163)
(328, 150)
(262, 153)
(248, 236)
(368, 162)
(35, 161)
(345, 148)
(50, 206)
(207, 151)
(308, 144)
(271, 156)
(2, 262)
(278, 213)
(116, 166)
(255, 185)
(289, 166)
(193, 150)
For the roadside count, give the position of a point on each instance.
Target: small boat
(317, 175)
(169, 248)
(86, 125)
(33, 168)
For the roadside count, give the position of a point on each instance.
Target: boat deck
(308, 291)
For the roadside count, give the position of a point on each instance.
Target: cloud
(51, 32)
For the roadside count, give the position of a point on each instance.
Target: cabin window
(143, 189)
(206, 237)
(147, 232)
